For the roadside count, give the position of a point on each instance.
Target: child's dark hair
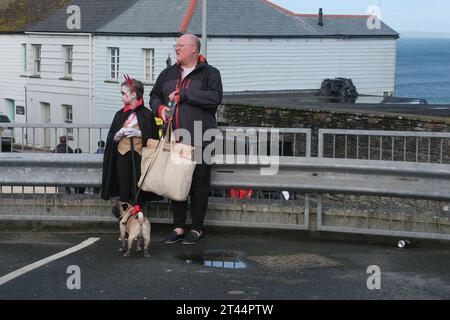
(138, 87)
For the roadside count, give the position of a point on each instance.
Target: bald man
(196, 89)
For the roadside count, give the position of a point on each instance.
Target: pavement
(242, 265)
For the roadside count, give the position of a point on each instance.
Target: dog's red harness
(136, 210)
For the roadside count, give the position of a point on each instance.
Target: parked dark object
(6, 134)
(339, 87)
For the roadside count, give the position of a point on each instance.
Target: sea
(423, 69)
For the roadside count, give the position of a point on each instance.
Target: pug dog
(136, 227)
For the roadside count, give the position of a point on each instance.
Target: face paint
(127, 96)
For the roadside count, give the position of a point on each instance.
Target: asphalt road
(224, 267)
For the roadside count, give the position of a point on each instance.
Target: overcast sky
(402, 15)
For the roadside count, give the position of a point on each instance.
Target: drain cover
(299, 261)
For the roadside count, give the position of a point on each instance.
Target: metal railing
(384, 215)
(346, 195)
(29, 137)
(51, 191)
(45, 137)
(429, 147)
(363, 181)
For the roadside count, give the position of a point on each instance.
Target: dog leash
(137, 208)
(133, 164)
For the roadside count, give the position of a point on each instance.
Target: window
(149, 66)
(68, 118)
(37, 59)
(114, 64)
(24, 58)
(68, 53)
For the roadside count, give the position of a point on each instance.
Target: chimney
(320, 17)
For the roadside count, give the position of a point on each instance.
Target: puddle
(224, 259)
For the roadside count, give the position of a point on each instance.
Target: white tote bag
(167, 167)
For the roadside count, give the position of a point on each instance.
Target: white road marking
(43, 262)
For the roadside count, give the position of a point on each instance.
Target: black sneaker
(193, 238)
(173, 237)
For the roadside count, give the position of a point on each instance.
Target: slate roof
(342, 25)
(260, 18)
(149, 17)
(94, 14)
(226, 18)
(245, 18)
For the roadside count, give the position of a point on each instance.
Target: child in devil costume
(130, 129)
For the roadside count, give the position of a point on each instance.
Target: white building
(13, 75)
(73, 75)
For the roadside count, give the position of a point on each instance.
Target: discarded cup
(403, 243)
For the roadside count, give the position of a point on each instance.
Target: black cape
(147, 125)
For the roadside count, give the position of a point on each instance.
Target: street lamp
(204, 24)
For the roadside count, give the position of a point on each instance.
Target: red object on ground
(241, 194)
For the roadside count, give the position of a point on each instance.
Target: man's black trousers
(199, 196)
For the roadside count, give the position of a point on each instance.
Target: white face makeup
(127, 95)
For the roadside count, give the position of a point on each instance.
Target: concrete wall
(252, 116)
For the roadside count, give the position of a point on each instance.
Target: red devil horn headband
(130, 82)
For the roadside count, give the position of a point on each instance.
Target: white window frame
(68, 61)
(24, 59)
(67, 115)
(37, 59)
(149, 66)
(114, 61)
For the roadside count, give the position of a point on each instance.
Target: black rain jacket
(200, 95)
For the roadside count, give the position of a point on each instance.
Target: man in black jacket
(196, 89)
